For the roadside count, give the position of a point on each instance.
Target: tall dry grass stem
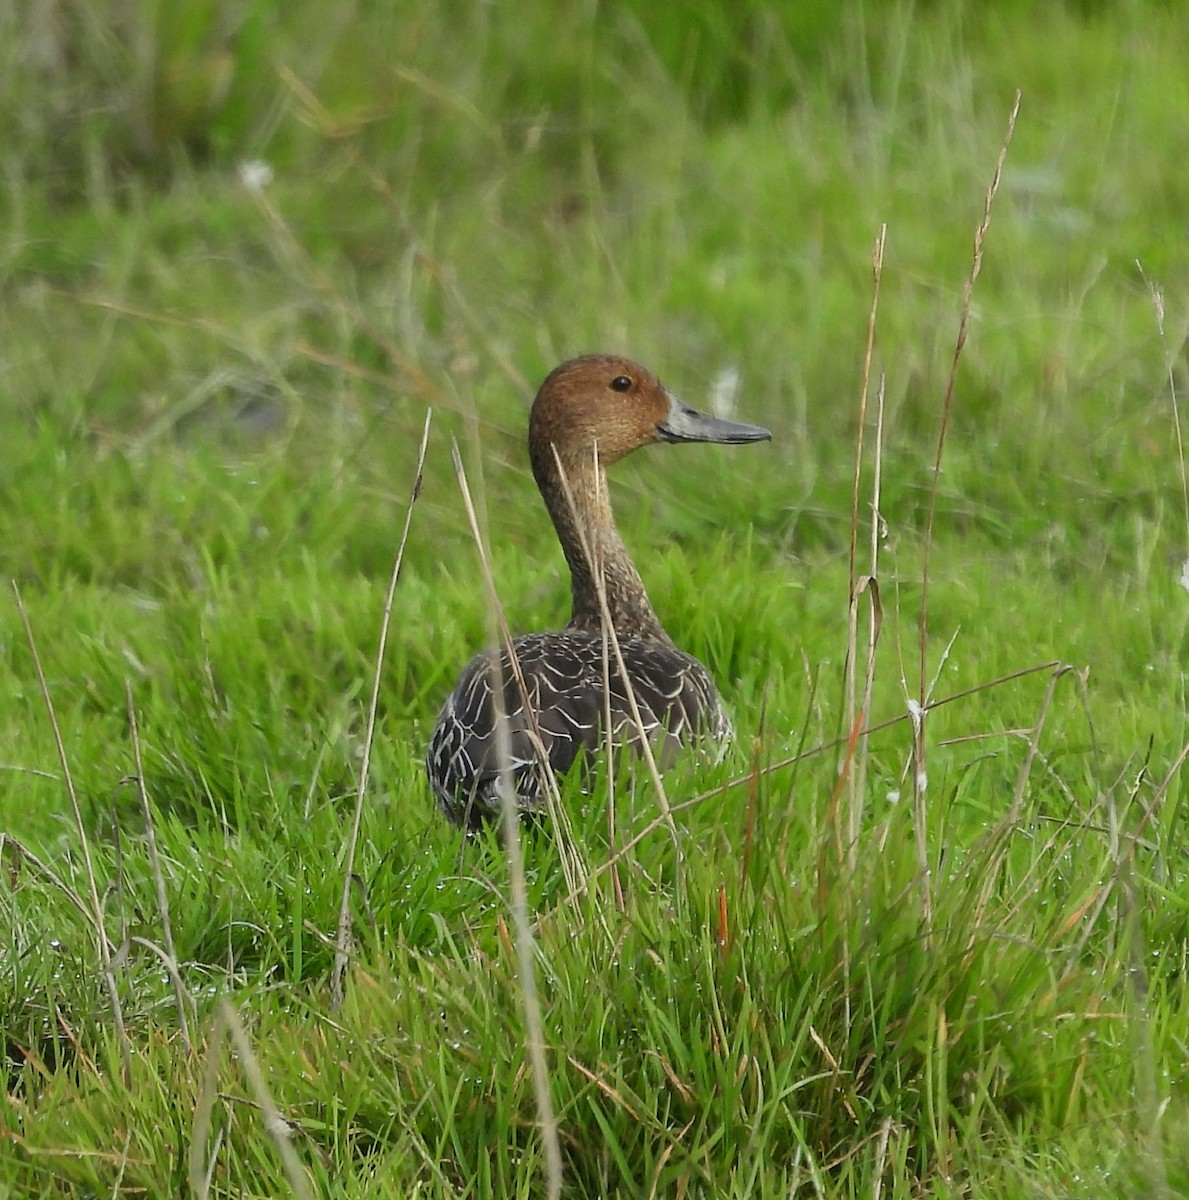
(869, 584)
(611, 639)
(526, 970)
(501, 634)
(227, 1023)
(1156, 294)
(854, 790)
(200, 1166)
(95, 917)
(920, 768)
(609, 767)
(343, 939)
(275, 1125)
(881, 1158)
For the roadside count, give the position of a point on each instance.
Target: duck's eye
(621, 383)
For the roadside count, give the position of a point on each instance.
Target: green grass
(211, 401)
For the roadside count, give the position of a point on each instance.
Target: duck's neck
(586, 529)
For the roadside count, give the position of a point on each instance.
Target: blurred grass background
(244, 245)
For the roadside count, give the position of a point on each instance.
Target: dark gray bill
(685, 424)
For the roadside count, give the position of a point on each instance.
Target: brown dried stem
(533, 1020)
(919, 775)
(343, 939)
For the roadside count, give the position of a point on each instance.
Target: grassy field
(244, 247)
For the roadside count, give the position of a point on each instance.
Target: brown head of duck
(589, 413)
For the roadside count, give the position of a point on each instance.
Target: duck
(560, 687)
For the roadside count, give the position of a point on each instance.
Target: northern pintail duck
(589, 413)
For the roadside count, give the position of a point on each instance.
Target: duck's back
(566, 701)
